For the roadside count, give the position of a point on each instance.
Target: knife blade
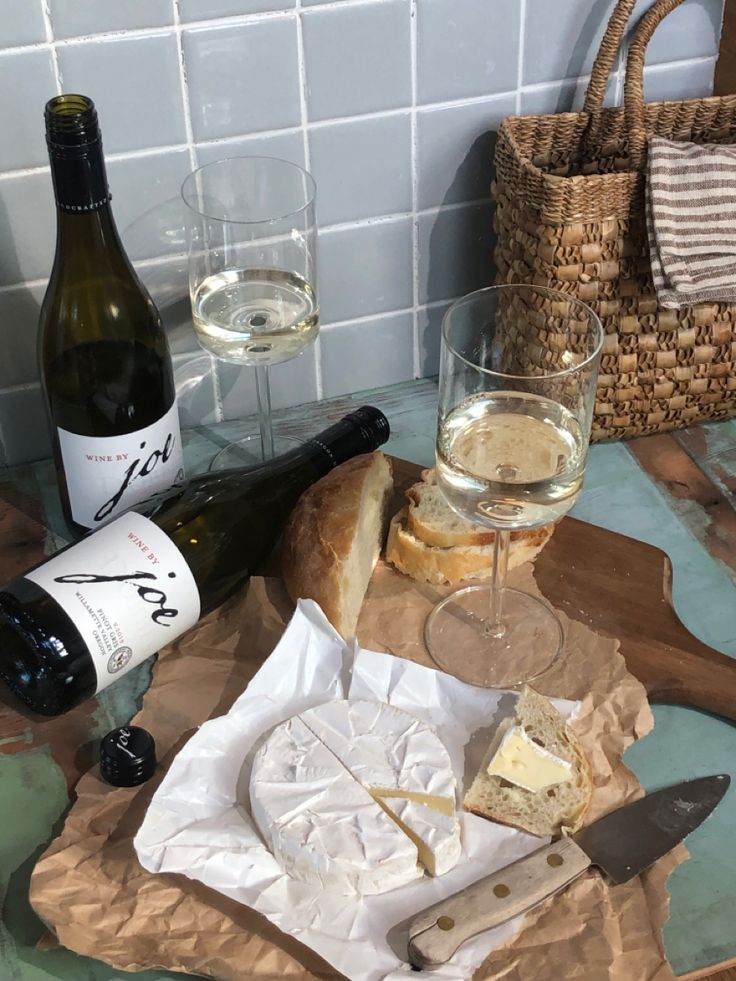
(622, 844)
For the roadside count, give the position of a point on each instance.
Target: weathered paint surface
(620, 494)
(33, 801)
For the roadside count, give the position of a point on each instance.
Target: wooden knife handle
(437, 932)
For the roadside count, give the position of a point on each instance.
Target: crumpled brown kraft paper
(90, 890)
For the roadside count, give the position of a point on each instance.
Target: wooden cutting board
(623, 587)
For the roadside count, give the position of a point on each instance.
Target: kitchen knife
(622, 844)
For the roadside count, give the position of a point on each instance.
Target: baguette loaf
(431, 563)
(546, 812)
(334, 536)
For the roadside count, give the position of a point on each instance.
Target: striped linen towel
(691, 221)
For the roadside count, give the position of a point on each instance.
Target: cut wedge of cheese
(442, 805)
(356, 796)
(436, 835)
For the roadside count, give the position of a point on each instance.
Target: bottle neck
(85, 225)
(79, 177)
(361, 431)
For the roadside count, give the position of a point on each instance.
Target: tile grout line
(367, 318)
(520, 55)
(189, 131)
(304, 122)
(619, 88)
(184, 86)
(685, 63)
(346, 226)
(49, 29)
(385, 314)
(302, 70)
(161, 30)
(620, 71)
(414, 164)
(222, 22)
(259, 134)
(357, 117)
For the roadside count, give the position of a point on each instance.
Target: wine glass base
(246, 452)
(530, 645)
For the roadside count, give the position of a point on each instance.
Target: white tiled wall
(392, 104)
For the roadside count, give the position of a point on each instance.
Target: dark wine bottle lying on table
(84, 617)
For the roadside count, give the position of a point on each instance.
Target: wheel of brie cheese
(358, 797)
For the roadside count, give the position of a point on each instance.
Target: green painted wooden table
(674, 491)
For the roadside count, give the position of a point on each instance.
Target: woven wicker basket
(569, 192)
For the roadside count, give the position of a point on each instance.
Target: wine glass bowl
(517, 389)
(252, 269)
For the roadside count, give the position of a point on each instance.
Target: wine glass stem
(494, 625)
(265, 422)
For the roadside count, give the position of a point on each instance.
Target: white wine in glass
(510, 457)
(518, 374)
(255, 316)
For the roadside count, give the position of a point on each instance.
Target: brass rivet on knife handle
(492, 901)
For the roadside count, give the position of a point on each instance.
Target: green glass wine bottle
(103, 355)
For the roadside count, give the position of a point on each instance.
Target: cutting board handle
(624, 589)
(701, 677)
(690, 672)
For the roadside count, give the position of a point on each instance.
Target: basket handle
(609, 48)
(634, 79)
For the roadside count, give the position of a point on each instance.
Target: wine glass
(518, 376)
(252, 276)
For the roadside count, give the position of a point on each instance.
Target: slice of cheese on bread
(501, 789)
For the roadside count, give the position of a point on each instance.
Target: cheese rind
(386, 749)
(436, 835)
(320, 823)
(522, 762)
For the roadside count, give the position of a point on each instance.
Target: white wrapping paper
(199, 822)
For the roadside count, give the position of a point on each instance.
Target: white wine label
(127, 589)
(107, 475)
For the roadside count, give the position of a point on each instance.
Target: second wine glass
(252, 276)
(518, 368)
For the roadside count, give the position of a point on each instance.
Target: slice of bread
(334, 535)
(552, 811)
(430, 563)
(432, 520)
